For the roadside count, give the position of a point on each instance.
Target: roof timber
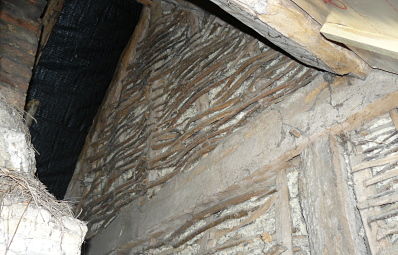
(289, 27)
(367, 27)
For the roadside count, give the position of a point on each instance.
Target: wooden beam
(369, 28)
(293, 30)
(50, 17)
(327, 205)
(370, 46)
(366, 15)
(283, 217)
(394, 117)
(377, 60)
(378, 43)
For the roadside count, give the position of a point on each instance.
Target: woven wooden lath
(194, 80)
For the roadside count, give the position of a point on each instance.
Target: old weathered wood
(382, 177)
(365, 15)
(173, 156)
(49, 19)
(324, 202)
(284, 221)
(240, 146)
(381, 44)
(367, 27)
(255, 146)
(394, 117)
(20, 29)
(301, 38)
(371, 228)
(370, 46)
(376, 60)
(377, 162)
(380, 200)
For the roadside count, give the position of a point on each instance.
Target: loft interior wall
(70, 79)
(191, 81)
(211, 142)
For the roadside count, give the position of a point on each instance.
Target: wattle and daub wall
(192, 81)
(212, 142)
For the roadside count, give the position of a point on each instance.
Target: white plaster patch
(16, 152)
(13, 150)
(25, 229)
(258, 6)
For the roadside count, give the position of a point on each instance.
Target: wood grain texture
(284, 220)
(290, 28)
(249, 156)
(324, 202)
(366, 15)
(369, 28)
(50, 17)
(378, 43)
(379, 51)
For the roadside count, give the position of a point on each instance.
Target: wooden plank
(366, 27)
(377, 162)
(394, 117)
(374, 190)
(376, 60)
(367, 15)
(362, 39)
(379, 51)
(49, 19)
(325, 204)
(273, 19)
(254, 146)
(372, 202)
(362, 193)
(382, 177)
(383, 213)
(284, 221)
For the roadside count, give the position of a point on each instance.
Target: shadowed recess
(71, 78)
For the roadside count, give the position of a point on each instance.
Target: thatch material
(32, 221)
(18, 187)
